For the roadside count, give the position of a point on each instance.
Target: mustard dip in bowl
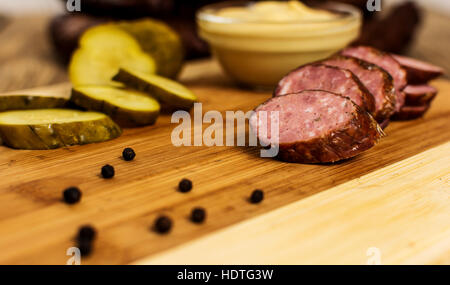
(257, 43)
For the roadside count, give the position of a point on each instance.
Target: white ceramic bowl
(260, 53)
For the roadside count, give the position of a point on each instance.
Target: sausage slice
(384, 123)
(328, 78)
(385, 61)
(417, 71)
(316, 126)
(377, 81)
(419, 95)
(411, 112)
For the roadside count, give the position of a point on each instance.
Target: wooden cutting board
(392, 202)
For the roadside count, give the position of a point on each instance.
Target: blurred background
(38, 36)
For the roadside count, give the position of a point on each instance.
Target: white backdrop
(31, 6)
(56, 6)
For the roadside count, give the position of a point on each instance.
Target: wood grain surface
(397, 215)
(27, 59)
(37, 228)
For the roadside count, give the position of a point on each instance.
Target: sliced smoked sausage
(384, 123)
(385, 61)
(377, 81)
(417, 71)
(419, 95)
(328, 78)
(411, 112)
(316, 126)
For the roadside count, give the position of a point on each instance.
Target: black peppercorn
(72, 195)
(198, 215)
(85, 237)
(257, 196)
(128, 154)
(86, 233)
(85, 247)
(163, 224)
(107, 171)
(185, 185)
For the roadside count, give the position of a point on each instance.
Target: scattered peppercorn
(128, 154)
(72, 195)
(85, 237)
(257, 196)
(163, 224)
(108, 171)
(198, 215)
(85, 247)
(185, 185)
(86, 233)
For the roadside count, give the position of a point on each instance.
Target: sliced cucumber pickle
(170, 93)
(160, 41)
(128, 108)
(40, 98)
(102, 51)
(53, 128)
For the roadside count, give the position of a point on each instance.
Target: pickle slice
(53, 128)
(128, 108)
(168, 92)
(103, 50)
(107, 36)
(160, 41)
(44, 98)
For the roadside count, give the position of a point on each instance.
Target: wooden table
(389, 205)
